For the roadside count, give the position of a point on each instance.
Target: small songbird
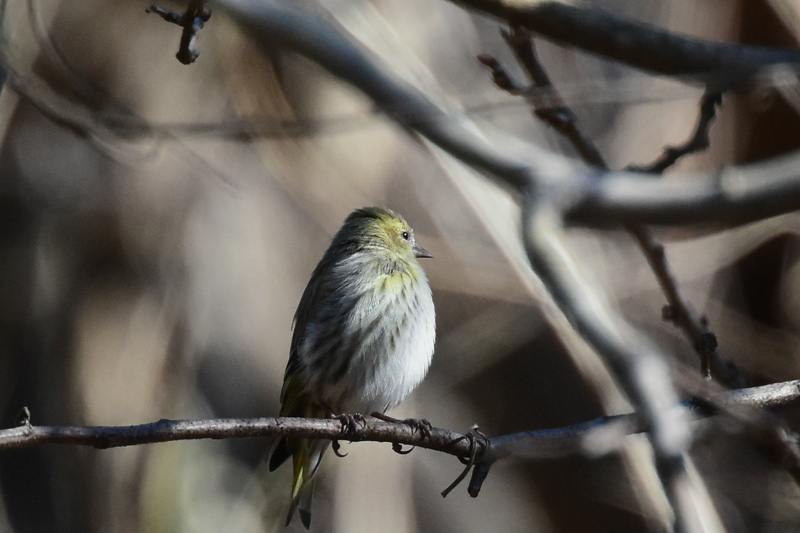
(363, 336)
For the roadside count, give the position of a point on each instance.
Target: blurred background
(158, 223)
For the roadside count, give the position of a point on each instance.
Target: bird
(363, 337)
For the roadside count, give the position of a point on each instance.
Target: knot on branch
(670, 314)
(707, 343)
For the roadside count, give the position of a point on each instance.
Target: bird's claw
(417, 425)
(398, 448)
(351, 422)
(420, 425)
(335, 446)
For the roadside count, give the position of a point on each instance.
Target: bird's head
(384, 229)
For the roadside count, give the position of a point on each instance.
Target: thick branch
(736, 195)
(641, 45)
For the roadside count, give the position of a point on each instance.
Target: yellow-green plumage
(363, 336)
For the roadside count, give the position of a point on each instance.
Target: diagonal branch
(555, 112)
(637, 364)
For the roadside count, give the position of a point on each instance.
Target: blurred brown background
(158, 224)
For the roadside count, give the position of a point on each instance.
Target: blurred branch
(637, 364)
(605, 434)
(557, 114)
(721, 65)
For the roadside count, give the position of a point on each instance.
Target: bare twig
(697, 142)
(191, 21)
(553, 111)
(683, 314)
(27, 435)
(500, 76)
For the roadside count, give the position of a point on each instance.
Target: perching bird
(363, 336)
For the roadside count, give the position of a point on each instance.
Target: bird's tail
(306, 457)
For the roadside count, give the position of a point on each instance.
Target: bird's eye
(405, 235)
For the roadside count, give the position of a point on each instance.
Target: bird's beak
(419, 251)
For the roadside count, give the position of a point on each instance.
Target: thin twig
(473, 445)
(191, 21)
(680, 310)
(553, 111)
(697, 142)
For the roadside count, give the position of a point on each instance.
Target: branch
(555, 112)
(605, 434)
(594, 437)
(583, 438)
(638, 44)
(443, 440)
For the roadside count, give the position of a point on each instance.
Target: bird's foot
(417, 424)
(351, 422)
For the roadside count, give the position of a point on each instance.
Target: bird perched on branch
(363, 336)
